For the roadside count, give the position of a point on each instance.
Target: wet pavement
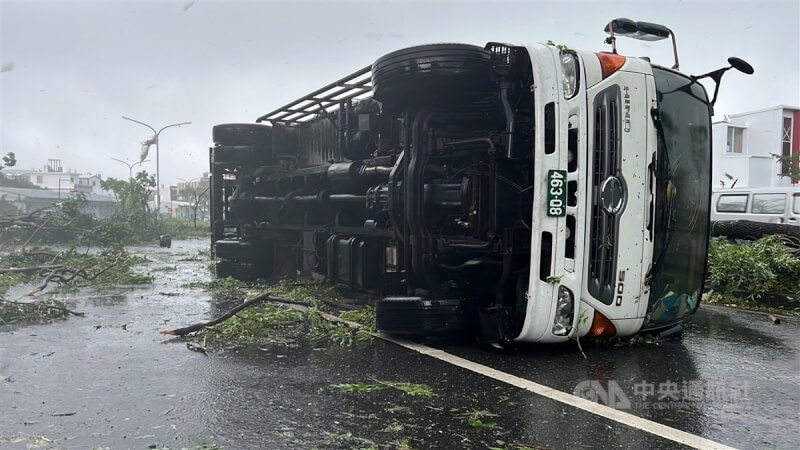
(110, 380)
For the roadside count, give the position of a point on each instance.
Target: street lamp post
(156, 137)
(130, 166)
(130, 172)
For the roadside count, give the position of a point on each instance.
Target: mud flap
(495, 327)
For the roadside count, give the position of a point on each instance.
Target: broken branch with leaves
(65, 275)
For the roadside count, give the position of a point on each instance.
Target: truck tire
(430, 74)
(242, 134)
(416, 316)
(240, 250)
(242, 271)
(241, 155)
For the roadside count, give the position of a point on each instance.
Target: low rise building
(745, 146)
(26, 201)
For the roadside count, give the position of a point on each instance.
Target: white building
(89, 184)
(25, 201)
(744, 145)
(53, 177)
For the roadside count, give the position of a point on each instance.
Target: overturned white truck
(530, 193)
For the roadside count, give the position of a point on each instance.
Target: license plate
(557, 193)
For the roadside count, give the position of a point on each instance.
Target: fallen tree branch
(252, 302)
(337, 319)
(65, 275)
(750, 231)
(48, 304)
(30, 269)
(35, 232)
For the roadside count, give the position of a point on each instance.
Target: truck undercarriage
(410, 179)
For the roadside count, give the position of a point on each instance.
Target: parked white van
(774, 205)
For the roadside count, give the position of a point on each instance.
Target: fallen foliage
(745, 274)
(68, 270)
(412, 389)
(314, 305)
(40, 311)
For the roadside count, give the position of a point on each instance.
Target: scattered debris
(66, 414)
(196, 348)
(774, 319)
(477, 419)
(414, 390)
(39, 311)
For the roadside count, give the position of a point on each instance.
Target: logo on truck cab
(626, 106)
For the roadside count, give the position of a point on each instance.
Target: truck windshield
(682, 204)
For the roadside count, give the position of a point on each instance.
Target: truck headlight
(569, 68)
(565, 311)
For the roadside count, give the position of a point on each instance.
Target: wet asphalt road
(109, 380)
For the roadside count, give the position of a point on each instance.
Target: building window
(39, 179)
(786, 146)
(732, 203)
(769, 203)
(796, 207)
(735, 142)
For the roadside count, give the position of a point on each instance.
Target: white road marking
(616, 415)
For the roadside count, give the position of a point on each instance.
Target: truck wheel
(240, 270)
(416, 316)
(240, 250)
(431, 73)
(240, 155)
(242, 134)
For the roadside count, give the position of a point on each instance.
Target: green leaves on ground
(44, 311)
(414, 390)
(119, 272)
(256, 322)
(752, 269)
(478, 419)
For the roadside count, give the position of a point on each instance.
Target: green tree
(10, 160)
(789, 165)
(197, 196)
(133, 196)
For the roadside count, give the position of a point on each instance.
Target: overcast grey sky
(72, 68)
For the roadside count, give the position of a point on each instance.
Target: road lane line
(604, 411)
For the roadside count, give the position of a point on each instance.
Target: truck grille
(603, 226)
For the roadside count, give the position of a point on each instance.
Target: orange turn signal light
(610, 63)
(602, 327)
